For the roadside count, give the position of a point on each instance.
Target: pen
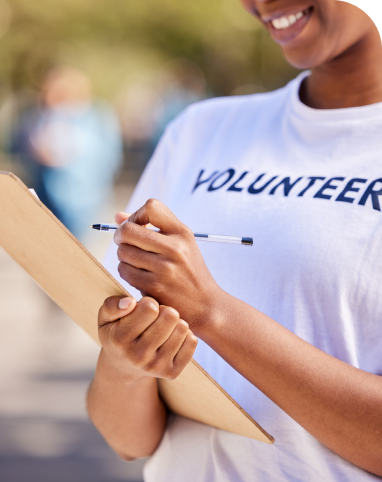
(214, 238)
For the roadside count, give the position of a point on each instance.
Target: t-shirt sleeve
(152, 184)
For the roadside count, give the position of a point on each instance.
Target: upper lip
(269, 17)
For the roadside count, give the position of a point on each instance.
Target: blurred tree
(118, 39)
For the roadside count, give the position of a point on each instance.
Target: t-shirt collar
(349, 114)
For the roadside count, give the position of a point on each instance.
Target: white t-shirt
(306, 184)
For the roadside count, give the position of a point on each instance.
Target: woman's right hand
(144, 339)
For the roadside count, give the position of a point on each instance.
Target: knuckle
(192, 341)
(126, 229)
(168, 270)
(176, 250)
(151, 204)
(188, 233)
(150, 304)
(126, 273)
(132, 276)
(160, 290)
(121, 252)
(183, 326)
(121, 269)
(169, 313)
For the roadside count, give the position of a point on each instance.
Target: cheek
(248, 5)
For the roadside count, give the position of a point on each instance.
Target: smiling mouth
(282, 23)
(286, 27)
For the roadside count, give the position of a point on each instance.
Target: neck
(352, 79)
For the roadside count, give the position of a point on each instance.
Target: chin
(303, 60)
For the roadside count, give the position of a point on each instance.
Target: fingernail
(124, 303)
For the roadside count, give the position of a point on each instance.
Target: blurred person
(291, 328)
(182, 83)
(146, 110)
(71, 145)
(140, 108)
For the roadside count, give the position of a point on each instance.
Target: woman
(291, 327)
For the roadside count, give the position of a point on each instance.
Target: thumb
(157, 214)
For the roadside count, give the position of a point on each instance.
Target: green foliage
(117, 40)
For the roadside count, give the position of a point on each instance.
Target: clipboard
(79, 284)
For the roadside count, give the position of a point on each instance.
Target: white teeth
(285, 22)
(281, 23)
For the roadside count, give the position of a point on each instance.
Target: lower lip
(287, 34)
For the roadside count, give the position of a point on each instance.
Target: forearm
(338, 404)
(129, 414)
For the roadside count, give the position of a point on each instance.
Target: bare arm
(128, 413)
(140, 343)
(341, 406)
(338, 404)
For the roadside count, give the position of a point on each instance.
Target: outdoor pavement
(46, 365)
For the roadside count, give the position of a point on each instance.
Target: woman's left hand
(166, 265)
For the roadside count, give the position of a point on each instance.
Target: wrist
(110, 372)
(212, 319)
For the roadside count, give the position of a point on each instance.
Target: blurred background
(86, 90)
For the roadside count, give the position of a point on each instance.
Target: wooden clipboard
(79, 284)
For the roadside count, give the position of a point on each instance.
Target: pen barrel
(211, 238)
(106, 227)
(218, 238)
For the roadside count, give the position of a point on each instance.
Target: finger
(121, 217)
(155, 213)
(185, 353)
(115, 308)
(172, 345)
(132, 326)
(140, 279)
(137, 257)
(162, 328)
(139, 236)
